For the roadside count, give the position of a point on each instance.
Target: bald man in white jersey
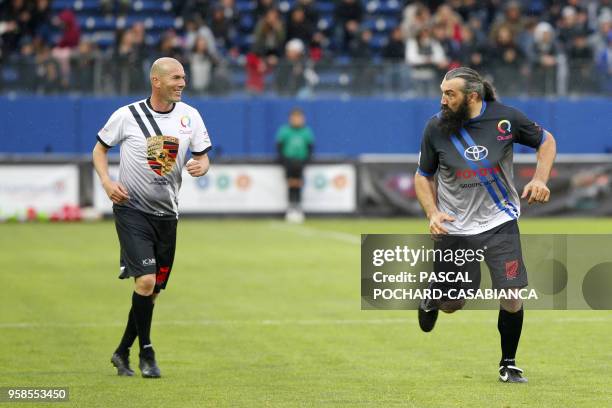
(154, 136)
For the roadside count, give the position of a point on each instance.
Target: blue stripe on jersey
(483, 179)
(544, 137)
(424, 173)
(487, 163)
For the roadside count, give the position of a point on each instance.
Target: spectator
(292, 71)
(258, 66)
(450, 46)
(128, 64)
(230, 12)
(195, 9)
(40, 23)
(512, 19)
(347, 19)
(426, 58)
(472, 50)
(544, 57)
(415, 17)
(581, 64)
(201, 64)
(263, 6)
(447, 20)
(83, 65)
(603, 9)
(171, 45)
(14, 24)
(395, 50)
(472, 9)
(110, 7)
(364, 73)
(311, 14)
(48, 74)
(299, 27)
(476, 26)
(26, 64)
(71, 33)
(270, 34)
(139, 43)
(604, 66)
(394, 56)
(507, 63)
(222, 28)
(62, 52)
(571, 26)
(316, 47)
(599, 39)
(195, 28)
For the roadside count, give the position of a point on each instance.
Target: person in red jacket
(71, 35)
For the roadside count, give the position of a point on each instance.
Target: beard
(451, 122)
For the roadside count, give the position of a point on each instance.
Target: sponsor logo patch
(161, 153)
(476, 153)
(512, 268)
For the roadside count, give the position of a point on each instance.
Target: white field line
(296, 322)
(316, 233)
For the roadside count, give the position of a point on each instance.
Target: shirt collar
(482, 110)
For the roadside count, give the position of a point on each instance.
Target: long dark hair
(473, 83)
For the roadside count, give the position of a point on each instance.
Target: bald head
(163, 65)
(167, 80)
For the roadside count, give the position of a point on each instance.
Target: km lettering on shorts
(148, 261)
(484, 171)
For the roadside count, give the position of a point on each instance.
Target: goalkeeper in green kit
(295, 143)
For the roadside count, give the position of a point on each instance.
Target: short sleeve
(280, 135)
(200, 141)
(310, 136)
(527, 132)
(428, 158)
(112, 132)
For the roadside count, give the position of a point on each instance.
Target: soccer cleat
(427, 317)
(511, 374)
(122, 363)
(294, 216)
(148, 366)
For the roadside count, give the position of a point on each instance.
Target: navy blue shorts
(503, 256)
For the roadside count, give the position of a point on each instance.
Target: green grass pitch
(261, 313)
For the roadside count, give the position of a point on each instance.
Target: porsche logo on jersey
(161, 153)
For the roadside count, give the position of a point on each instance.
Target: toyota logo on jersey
(476, 153)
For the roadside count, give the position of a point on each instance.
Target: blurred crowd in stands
(302, 47)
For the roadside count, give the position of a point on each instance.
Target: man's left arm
(198, 165)
(536, 190)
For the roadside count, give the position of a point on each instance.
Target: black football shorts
(501, 247)
(147, 244)
(294, 168)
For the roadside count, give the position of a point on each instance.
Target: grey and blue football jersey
(474, 168)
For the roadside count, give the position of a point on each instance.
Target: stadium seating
(381, 17)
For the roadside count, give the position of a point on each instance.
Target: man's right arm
(426, 193)
(425, 185)
(115, 191)
(425, 188)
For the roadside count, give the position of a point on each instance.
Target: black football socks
(129, 335)
(509, 326)
(142, 307)
(295, 195)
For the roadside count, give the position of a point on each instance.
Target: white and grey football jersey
(153, 146)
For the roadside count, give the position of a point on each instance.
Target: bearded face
(452, 118)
